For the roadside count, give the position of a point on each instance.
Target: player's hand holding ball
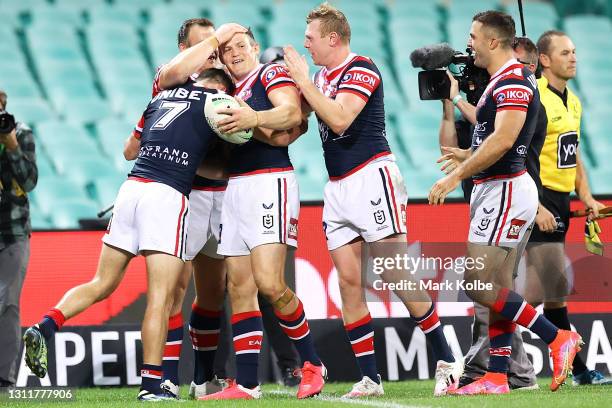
(238, 118)
(219, 111)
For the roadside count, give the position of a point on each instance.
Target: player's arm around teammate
(195, 58)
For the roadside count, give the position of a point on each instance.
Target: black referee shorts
(559, 205)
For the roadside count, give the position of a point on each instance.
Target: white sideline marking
(367, 403)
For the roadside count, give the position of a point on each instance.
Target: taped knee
(284, 299)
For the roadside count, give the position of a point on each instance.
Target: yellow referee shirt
(558, 156)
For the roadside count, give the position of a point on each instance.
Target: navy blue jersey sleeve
(514, 93)
(275, 76)
(361, 78)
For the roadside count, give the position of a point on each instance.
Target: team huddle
(225, 213)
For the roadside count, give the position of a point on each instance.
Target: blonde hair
(332, 21)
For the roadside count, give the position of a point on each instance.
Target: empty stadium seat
(112, 133)
(107, 188)
(51, 191)
(84, 171)
(67, 214)
(538, 16)
(79, 4)
(247, 15)
(29, 110)
(169, 16)
(115, 15)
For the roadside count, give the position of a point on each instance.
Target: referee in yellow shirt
(561, 172)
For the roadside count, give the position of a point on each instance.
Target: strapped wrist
(456, 99)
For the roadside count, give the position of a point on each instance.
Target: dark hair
(3, 98)
(219, 76)
(183, 32)
(545, 40)
(529, 47)
(501, 23)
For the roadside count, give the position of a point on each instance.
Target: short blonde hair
(332, 21)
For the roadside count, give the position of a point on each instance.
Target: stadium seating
(80, 73)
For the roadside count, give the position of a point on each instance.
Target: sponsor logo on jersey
(270, 75)
(501, 98)
(379, 216)
(522, 150)
(165, 153)
(267, 207)
(375, 203)
(484, 209)
(516, 225)
(363, 78)
(567, 146)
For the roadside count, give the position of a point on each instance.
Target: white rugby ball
(215, 102)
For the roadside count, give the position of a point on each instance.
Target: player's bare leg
(347, 260)
(421, 308)
(209, 275)
(110, 272)
(356, 317)
(268, 263)
(163, 274)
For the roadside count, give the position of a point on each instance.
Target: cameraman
(455, 135)
(18, 176)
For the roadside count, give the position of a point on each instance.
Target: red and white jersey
(512, 87)
(365, 139)
(255, 157)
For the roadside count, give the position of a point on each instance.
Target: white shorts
(502, 211)
(204, 220)
(149, 216)
(370, 203)
(259, 209)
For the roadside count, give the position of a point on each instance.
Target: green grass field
(398, 395)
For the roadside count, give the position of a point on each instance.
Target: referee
(561, 172)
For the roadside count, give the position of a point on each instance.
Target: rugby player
(504, 202)
(174, 140)
(365, 199)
